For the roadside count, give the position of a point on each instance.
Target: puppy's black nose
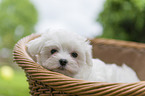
(63, 62)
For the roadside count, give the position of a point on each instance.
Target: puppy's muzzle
(63, 62)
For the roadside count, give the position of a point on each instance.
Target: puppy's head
(61, 51)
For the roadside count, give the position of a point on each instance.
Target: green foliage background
(124, 19)
(17, 19)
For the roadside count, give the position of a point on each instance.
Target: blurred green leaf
(124, 19)
(17, 19)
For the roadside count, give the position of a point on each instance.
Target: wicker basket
(43, 82)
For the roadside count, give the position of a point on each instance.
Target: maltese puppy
(71, 55)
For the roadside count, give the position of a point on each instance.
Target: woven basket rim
(67, 84)
(112, 42)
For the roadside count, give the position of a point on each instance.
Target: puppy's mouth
(61, 68)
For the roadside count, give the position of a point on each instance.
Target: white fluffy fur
(81, 67)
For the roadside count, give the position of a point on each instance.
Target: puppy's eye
(53, 51)
(74, 54)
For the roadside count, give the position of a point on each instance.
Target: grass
(17, 86)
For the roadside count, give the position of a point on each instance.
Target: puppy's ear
(34, 46)
(88, 53)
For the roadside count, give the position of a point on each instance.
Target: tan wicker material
(119, 52)
(43, 82)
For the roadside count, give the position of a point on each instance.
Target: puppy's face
(66, 57)
(61, 52)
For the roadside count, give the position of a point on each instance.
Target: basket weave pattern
(43, 82)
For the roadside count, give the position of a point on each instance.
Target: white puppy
(70, 54)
